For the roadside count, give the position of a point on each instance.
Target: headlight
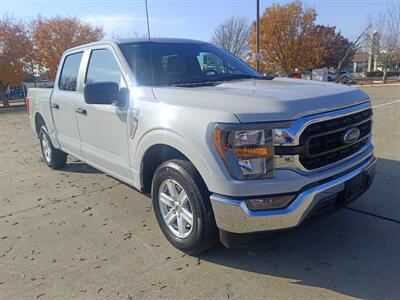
(246, 151)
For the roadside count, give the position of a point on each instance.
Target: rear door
(63, 103)
(103, 127)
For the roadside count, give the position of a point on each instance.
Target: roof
(135, 40)
(158, 40)
(360, 57)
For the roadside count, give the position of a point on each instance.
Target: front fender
(201, 160)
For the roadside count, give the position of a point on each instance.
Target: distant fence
(15, 92)
(12, 102)
(15, 95)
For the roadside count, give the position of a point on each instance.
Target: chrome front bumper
(232, 214)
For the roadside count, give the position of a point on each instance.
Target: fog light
(271, 202)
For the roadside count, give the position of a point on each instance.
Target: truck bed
(39, 102)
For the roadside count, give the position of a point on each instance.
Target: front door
(65, 95)
(103, 127)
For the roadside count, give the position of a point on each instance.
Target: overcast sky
(186, 18)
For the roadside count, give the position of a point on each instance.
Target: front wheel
(53, 157)
(182, 207)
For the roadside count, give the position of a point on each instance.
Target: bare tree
(233, 35)
(134, 34)
(387, 26)
(353, 47)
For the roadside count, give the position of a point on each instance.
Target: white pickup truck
(223, 151)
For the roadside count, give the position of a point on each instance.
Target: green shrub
(397, 73)
(375, 74)
(380, 74)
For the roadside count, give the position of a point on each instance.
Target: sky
(194, 19)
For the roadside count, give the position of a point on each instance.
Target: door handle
(55, 106)
(81, 111)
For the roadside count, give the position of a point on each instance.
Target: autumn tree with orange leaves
(290, 40)
(38, 45)
(15, 53)
(53, 36)
(286, 38)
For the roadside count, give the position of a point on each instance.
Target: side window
(103, 68)
(69, 72)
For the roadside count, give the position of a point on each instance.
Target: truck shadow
(355, 252)
(80, 167)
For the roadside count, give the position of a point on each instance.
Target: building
(373, 50)
(360, 62)
(363, 62)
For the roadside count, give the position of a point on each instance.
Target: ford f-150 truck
(222, 151)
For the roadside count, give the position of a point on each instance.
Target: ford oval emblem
(351, 135)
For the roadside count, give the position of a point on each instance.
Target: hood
(280, 99)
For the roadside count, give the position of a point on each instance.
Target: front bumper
(232, 214)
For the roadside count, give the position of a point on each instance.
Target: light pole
(258, 36)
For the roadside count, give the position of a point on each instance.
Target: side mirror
(101, 93)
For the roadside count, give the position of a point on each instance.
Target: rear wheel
(53, 157)
(182, 207)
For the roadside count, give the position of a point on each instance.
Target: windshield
(183, 64)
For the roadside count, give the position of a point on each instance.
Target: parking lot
(78, 233)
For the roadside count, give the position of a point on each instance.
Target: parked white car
(345, 76)
(222, 151)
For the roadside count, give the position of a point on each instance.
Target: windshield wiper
(197, 83)
(215, 81)
(241, 76)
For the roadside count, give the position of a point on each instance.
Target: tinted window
(69, 72)
(183, 63)
(103, 68)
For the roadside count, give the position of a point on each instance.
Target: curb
(377, 85)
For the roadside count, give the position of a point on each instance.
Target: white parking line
(384, 104)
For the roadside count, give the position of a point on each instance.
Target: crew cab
(222, 151)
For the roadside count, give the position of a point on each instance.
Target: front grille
(323, 142)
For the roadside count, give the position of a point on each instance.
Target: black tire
(55, 158)
(204, 232)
